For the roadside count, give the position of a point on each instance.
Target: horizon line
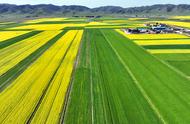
(92, 7)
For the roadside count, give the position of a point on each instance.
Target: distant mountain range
(74, 10)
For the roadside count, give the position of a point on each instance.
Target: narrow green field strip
(79, 103)
(11, 41)
(8, 77)
(11, 58)
(183, 66)
(101, 106)
(88, 100)
(162, 86)
(179, 46)
(19, 105)
(74, 28)
(174, 56)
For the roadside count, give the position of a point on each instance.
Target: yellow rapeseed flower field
(116, 21)
(180, 17)
(45, 19)
(5, 35)
(22, 96)
(155, 36)
(175, 23)
(52, 104)
(47, 27)
(13, 54)
(96, 23)
(59, 100)
(156, 51)
(140, 37)
(41, 27)
(162, 42)
(136, 19)
(177, 41)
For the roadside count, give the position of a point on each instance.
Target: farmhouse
(156, 28)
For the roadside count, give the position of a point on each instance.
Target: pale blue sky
(96, 3)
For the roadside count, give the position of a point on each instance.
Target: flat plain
(76, 71)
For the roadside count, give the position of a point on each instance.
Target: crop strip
(8, 77)
(160, 80)
(11, 41)
(179, 46)
(31, 87)
(168, 51)
(16, 53)
(43, 110)
(114, 93)
(68, 93)
(160, 39)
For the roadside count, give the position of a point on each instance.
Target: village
(157, 28)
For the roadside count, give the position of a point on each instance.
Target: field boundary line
(137, 83)
(29, 60)
(49, 83)
(67, 50)
(17, 39)
(91, 85)
(161, 61)
(70, 87)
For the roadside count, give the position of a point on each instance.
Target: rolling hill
(73, 10)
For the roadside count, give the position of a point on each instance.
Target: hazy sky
(96, 3)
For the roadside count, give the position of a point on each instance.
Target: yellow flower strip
(175, 23)
(19, 45)
(13, 57)
(180, 17)
(162, 42)
(44, 19)
(135, 19)
(20, 98)
(155, 36)
(169, 51)
(56, 109)
(52, 104)
(155, 51)
(5, 35)
(48, 26)
(42, 27)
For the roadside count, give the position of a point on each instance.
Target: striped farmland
(22, 89)
(72, 71)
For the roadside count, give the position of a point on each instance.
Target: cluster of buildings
(157, 28)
